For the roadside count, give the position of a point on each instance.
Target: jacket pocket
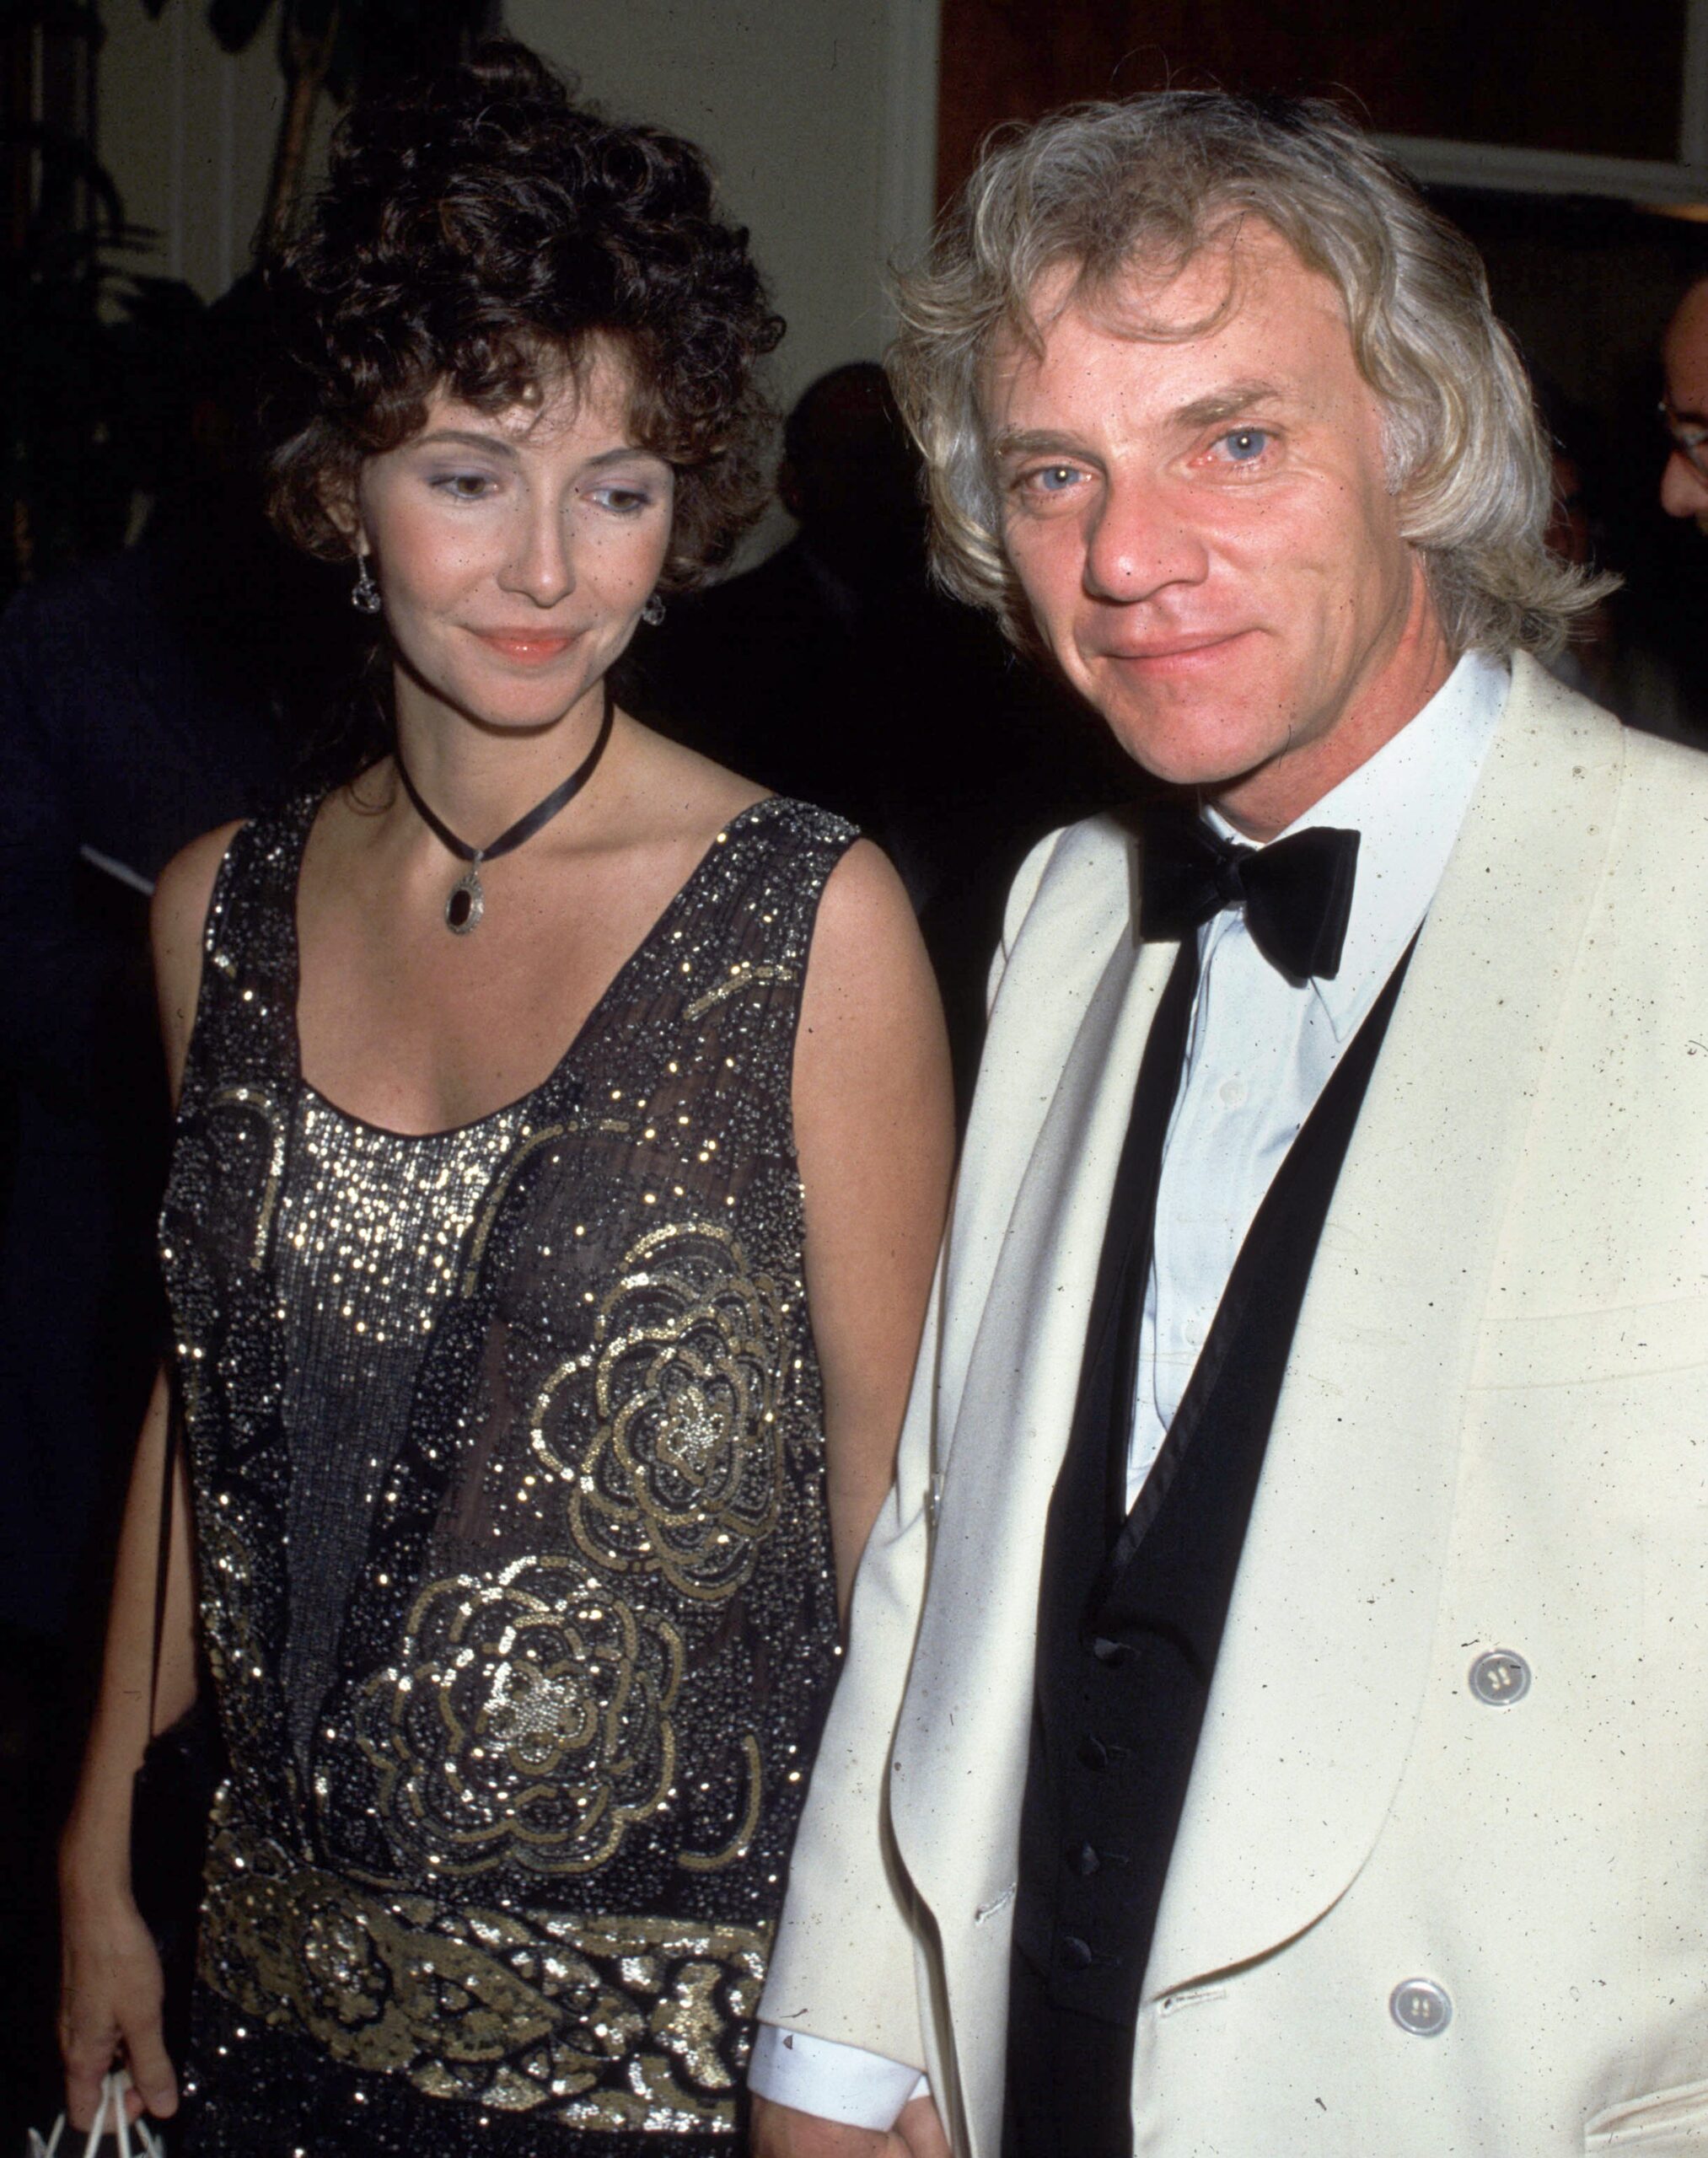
(1662, 2123)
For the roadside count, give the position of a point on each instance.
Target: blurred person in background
(142, 698)
(1612, 654)
(839, 671)
(1684, 409)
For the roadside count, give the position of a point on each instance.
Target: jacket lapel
(1322, 1667)
(1067, 1041)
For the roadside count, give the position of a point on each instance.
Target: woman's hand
(109, 1998)
(110, 1986)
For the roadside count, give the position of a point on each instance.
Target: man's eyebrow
(1224, 404)
(1227, 404)
(1036, 442)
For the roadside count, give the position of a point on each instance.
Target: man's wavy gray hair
(1145, 184)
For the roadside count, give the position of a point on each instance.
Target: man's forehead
(1163, 289)
(1243, 277)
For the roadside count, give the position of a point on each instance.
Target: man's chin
(1211, 758)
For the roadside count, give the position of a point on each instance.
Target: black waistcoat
(1131, 1611)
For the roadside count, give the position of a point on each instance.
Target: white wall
(187, 131)
(820, 118)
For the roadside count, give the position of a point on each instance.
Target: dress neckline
(293, 974)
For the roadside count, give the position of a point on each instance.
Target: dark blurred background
(162, 660)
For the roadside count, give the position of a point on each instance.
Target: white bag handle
(110, 2118)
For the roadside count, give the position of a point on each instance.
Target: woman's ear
(338, 500)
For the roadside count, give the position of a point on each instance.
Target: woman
(525, 1490)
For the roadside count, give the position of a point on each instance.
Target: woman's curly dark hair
(477, 231)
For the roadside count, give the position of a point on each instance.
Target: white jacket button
(1421, 2006)
(1500, 1677)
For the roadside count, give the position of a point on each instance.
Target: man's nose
(1684, 489)
(1144, 539)
(541, 567)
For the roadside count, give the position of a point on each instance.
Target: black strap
(162, 1567)
(524, 828)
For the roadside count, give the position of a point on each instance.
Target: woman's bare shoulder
(182, 894)
(185, 887)
(867, 941)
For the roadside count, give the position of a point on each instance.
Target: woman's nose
(541, 567)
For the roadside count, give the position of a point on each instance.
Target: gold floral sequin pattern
(604, 2024)
(682, 1473)
(531, 1723)
(509, 1453)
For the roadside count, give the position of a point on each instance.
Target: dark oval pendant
(465, 905)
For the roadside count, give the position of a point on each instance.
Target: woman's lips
(529, 648)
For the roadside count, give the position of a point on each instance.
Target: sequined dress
(517, 1583)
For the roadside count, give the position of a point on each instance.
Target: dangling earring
(365, 598)
(653, 612)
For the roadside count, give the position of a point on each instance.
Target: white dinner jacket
(1493, 1435)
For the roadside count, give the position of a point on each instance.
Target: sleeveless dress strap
(245, 1013)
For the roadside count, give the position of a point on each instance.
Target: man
(1684, 355)
(1273, 1721)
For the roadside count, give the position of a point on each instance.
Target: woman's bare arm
(110, 1993)
(874, 1130)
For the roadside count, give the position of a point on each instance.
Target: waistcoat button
(1081, 1860)
(1499, 1679)
(1421, 2006)
(1093, 1752)
(1074, 1953)
(1108, 1651)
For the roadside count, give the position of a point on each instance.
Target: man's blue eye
(1245, 444)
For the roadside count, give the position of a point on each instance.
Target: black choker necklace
(467, 902)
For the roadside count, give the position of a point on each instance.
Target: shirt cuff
(836, 2082)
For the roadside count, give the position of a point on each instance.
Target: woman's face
(515, 549)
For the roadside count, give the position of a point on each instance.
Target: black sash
(1131, 1610)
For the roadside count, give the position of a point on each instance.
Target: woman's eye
(465, 486)
(627, 501)
(1245, 445)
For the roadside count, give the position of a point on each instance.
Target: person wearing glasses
(1685, 408)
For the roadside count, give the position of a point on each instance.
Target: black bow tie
(1296, 893)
